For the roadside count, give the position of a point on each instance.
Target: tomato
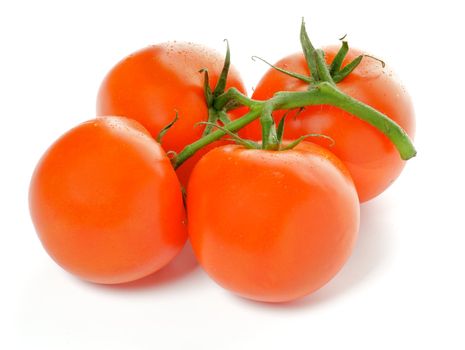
(272, 225)
(106, 202)
(370, 157)
(152, 84)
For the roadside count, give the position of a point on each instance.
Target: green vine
(322, 90)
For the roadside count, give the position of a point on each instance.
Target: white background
(402, 288)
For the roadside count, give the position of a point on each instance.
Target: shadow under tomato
(181, 266)
(372, 250)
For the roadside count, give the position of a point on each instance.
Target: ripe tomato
(372, 160)
(152, 84)
(106, 202)
(272, 226)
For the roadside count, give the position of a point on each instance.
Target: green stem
(233, 126)
(269, 136)
(331, 95)
(323, 93)
(302, 77)
(212, 118)
(339, 58)
(323, 70)
(234, 95)
(344, 72)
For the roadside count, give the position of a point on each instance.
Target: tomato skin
(272, 226)
(371, 158)
(152, 84)
(106, 203)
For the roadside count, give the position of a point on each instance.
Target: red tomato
(371, 158)
(106, 202)
(152, 84)
(272, 226)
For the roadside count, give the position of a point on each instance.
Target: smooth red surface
(152, 84)
(106, 202)
(371, 158)
(272, 226)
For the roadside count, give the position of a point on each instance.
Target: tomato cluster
(271, 221)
